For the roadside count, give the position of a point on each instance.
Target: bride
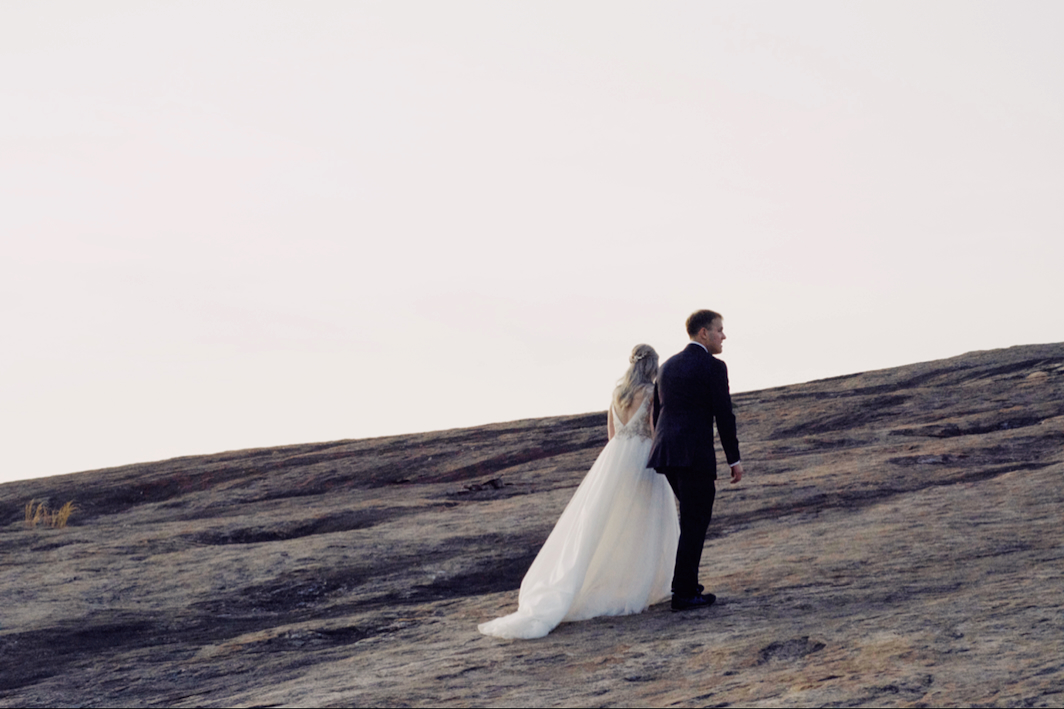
(612, 550)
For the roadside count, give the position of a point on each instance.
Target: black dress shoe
(692, 602)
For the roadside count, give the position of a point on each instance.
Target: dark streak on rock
(789, 650)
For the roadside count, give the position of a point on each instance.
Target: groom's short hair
(700, 319)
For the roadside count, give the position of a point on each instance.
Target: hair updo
(641, 373)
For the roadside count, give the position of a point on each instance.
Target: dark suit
(692, 393)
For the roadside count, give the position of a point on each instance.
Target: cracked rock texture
(897, 541)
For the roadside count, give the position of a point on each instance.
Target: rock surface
(897, 541)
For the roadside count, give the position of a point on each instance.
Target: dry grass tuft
(38, 513)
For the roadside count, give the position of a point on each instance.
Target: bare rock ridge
(898, 542)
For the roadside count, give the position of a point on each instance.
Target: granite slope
(896, 542)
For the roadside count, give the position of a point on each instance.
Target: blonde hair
(641, 373)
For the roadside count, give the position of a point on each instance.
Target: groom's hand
(736, 473)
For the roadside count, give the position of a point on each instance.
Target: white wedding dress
(613, 549)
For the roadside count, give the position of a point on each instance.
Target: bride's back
(624, 415)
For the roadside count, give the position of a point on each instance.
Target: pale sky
(241, 224)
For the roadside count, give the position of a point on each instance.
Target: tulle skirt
(611, 553)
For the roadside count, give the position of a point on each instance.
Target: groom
(692, 391)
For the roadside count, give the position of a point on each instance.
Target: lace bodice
(638, 425)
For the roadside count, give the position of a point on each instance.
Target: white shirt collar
(696, 342)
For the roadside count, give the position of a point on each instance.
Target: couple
(619, 543)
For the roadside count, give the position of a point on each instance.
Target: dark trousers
(696, 490)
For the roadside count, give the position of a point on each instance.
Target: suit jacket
(692, 392)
